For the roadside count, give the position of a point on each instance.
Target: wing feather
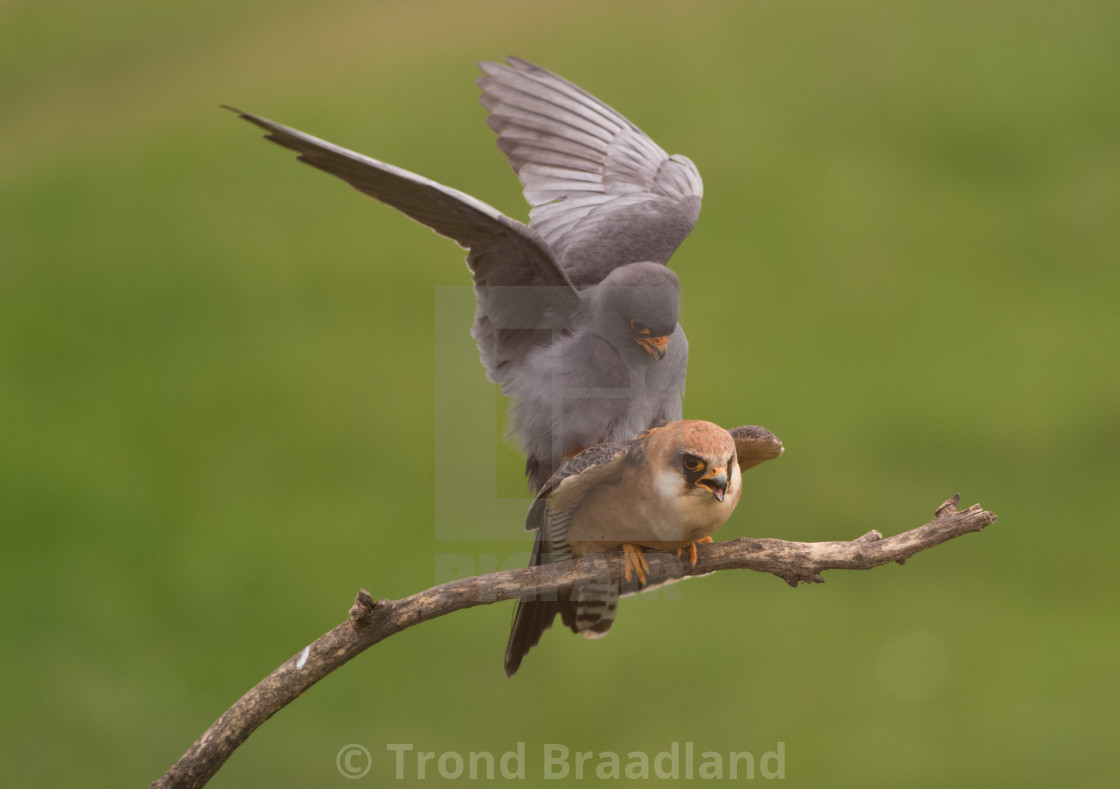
(555, 136)
(754, 445)
(566, 488)
(523, 294)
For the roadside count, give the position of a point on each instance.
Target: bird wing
(559, 498)
(602, 193)
(523, 294)
(754, 445)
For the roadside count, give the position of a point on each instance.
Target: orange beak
(715, 481)
(655, 346)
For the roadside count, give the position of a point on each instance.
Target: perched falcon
(666, 490)
(576, 313)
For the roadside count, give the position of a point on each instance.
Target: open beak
(655, 346)
(715, 481)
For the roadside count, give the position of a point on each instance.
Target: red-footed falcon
(666, 490)
(576, 313)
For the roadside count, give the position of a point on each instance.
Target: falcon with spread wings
(576, 313)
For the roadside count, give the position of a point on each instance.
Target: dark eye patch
(694, 467)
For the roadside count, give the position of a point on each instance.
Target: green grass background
(218, 385)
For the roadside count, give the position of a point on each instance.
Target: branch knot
(363, 609)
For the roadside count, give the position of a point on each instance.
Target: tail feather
(596, 605)
(535, 615)
(589, 610)
(538, 471)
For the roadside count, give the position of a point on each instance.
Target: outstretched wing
(523, 294)
(602, 193)
(754, 445)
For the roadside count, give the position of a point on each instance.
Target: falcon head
(698, 460)
(637, 304)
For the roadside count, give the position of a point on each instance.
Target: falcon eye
(638, 326)
(693, 463)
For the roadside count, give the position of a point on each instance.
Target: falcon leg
(636, 563)
(692, 550)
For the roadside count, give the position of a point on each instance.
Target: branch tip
(948, 507)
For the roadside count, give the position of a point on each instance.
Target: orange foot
(692, 550)
(636, 563)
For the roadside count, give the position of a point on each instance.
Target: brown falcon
(666, 490)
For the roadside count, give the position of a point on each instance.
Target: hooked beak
(715, 481)
(655, 346)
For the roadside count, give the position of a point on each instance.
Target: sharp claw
(635, 563)
(693, 559)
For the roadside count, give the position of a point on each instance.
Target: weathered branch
(371, 621)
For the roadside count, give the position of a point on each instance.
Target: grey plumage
(572, 309)
(603, 194)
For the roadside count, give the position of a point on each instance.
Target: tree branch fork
(371, 621)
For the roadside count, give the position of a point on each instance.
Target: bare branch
(371, 621)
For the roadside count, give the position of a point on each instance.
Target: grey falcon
(668, 489)
(576, 314)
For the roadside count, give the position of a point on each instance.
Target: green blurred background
(220, 380)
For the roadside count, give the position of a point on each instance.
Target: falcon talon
(693, 559)
(635, 560)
